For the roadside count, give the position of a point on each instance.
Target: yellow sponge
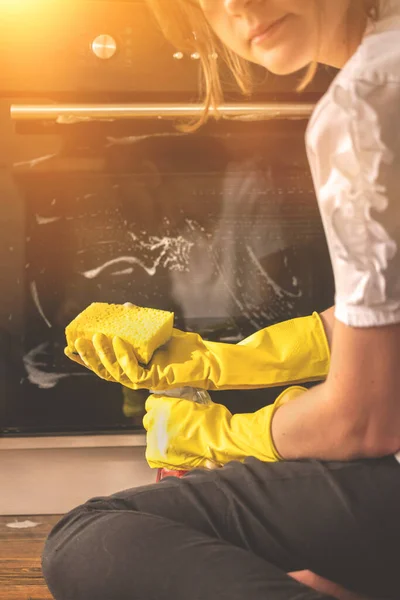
(145, 329)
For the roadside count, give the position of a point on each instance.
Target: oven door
(220, 226)
(102, 198)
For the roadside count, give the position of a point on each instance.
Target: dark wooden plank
(24, 543)
(20, 558)
(26, 593)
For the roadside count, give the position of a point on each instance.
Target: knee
(57, 562)
(73, 559)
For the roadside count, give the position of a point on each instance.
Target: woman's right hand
(175, 364)
(284, 354)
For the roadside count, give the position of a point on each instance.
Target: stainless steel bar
(70, 113)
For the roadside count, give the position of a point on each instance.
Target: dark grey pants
(233, 534)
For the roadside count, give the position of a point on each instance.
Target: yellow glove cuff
(286, 396)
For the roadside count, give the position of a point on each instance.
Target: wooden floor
(20, 554)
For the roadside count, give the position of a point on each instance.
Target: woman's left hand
(184, 435)
(179, 432)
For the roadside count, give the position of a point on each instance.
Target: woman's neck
(345, 41)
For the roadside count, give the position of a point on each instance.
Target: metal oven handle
(73, 113)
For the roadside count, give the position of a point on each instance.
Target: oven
(105, 198)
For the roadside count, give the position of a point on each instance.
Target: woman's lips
(269, 32)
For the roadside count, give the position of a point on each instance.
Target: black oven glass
(221, 226)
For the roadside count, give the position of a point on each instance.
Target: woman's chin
(281, 65)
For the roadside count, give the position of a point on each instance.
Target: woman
(329, 502)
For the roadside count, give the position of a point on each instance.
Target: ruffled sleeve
(353, 143)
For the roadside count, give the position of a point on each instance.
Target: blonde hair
(185, 26)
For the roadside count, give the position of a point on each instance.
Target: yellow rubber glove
(185, 435)
(287, 353)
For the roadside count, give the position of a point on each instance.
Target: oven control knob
(104, 46)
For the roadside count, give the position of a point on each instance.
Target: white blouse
(353, 145)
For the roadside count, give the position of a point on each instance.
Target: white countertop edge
(73, 441)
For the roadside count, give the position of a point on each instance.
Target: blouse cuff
(363, 316)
